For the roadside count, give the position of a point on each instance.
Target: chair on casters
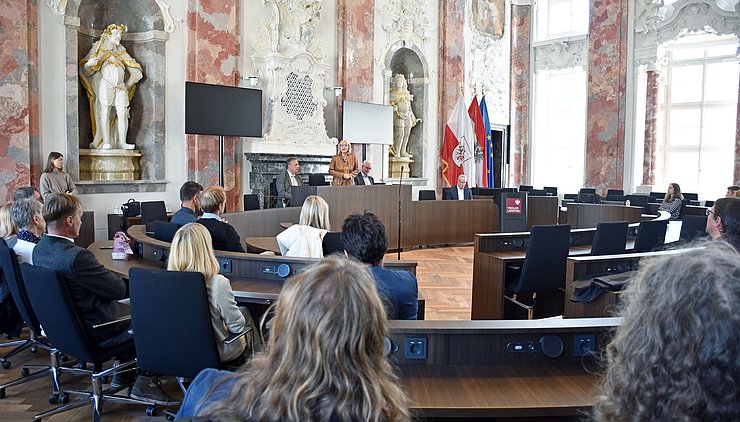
(427, 195)
(693, 226)
(251, 202)
(543, 268)
(67, 333)
(610, 238)
(332, 243)
(650, 235)
(170, 331)
(316, 179)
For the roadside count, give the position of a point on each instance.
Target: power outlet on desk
(415, 348)
(225, 265)
(584, 345)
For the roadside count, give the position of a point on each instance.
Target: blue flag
(489, 140)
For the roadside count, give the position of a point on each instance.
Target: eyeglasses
(710, 212)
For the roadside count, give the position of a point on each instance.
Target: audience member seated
(460, 191)
(723, 221)
(325, 359)
(8, 230)
(213, 203)
(363, 238)
(94, 290)
(675, 355)
(672, 202)
(305, 238)
(363, 177)
(190, 198)
(27, 192)
(191, 251)
(733, 191)
(27, 216)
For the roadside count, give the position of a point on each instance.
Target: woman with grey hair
(26, 215)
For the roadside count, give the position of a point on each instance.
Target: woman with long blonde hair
(8, 230)
(191, 250)
(305, 238)
(325, 358)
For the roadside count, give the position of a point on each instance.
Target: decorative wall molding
(291, 29)
(406, 20)
(57, 6)
(170, 24)
(561, 54)
(648, 13)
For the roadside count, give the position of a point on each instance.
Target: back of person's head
(363, 237)
(59, 206)
(23, 211)
(325, 358)
(675, 355)
(189, 189)
(50, 167)
(7, 228)
(733, 191)
(23, 193)
(728, 209)
(212, 198)
(315, 213)
(192, 250)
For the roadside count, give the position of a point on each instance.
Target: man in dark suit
(459, 191)
(189, 197)
(94, 289)
(288, 179)
(223, 235)
(363, 238)
(364, 178)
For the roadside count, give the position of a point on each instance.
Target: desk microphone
(282, 270)
(400, 181)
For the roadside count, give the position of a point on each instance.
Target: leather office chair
(615, 192)
(537, 192)
(610, 238)
(656, 197)
(251, 202)
(525, 188)
(543, 268)
(587, 190)
(152, 211)
(444, 190)
(709, 204)
(692, 227)
(551, 190)
(332, 243)
(165, 231)
(275, 200)
(172, 331)
(427, 195)
(638, 201)
(315, 179)
(68, 334)
(650, 235)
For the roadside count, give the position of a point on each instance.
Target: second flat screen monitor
(222, 110)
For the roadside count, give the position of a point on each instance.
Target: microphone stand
(399, 213)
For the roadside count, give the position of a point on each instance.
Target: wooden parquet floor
(445, 279)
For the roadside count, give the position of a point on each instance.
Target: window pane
(682, 167)
(716, 173)
(686, 84)
(719, 126)
(722, 79)
(722, 50)
(559, 19)
(687, 53)
(684, 127)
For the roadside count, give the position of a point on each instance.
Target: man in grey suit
(94, 289)
(364, 178)
(288, 179)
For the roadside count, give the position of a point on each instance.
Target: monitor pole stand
(221, 160)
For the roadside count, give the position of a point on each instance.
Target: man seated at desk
(723, 221)
(460, 191)
(363, 177)
(288, 179)
(363, 238)
(190, 198)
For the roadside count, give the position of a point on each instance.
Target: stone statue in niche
(109, 75)
(647, 14)
(403, 116)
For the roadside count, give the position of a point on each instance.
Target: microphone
(591, 178)
(400, 181)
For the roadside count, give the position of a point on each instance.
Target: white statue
(109, 75)
(403, 116)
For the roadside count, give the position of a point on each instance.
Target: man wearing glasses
(723, 221)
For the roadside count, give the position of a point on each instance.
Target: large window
(701, 114)
(561, 18)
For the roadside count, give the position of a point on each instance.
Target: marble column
(736, 175)
(607, 80)
(213, 57)
(19, 114)
(652, 102)
(451, 63)
(355, 47)
(521, 39)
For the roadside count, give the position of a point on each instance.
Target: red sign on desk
(513, 205)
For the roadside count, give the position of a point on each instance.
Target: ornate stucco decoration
(57, 6)
(406, 20)
(648, 13)
(170, 24)
(291, 29)
(561, 54)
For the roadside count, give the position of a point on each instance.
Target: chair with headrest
(317, 179)
(610, 238)
(332, 243)
(543, 268)
(68, 334)
(251, 201)
(615, 192)
(165, 231)
(650, 235)
(656, 197)
(587, 190)
(525, 188)
(427, 195)
(692, 227)
(638, 201)
(551, 190)
(152, 211)
(537, 192)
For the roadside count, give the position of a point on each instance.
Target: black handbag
(131, 208)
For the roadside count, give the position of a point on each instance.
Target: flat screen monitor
(366, 123)
(222, 110)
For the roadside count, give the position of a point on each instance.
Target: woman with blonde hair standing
(305, 238)
(325, 358)
(343, 166)
(191, 251)
(54, 179)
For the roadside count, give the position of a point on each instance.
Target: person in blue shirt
(190, 198)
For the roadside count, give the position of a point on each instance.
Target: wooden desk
(262, 244)
(589, 215)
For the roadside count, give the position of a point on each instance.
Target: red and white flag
(458, 149)
(481, 165)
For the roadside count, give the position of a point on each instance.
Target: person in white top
(305, 239)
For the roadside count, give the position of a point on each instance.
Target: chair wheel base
(25, 372)
(152, 411)
(59, 398)
(6, 364)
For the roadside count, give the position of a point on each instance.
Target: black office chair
(332, 243)
(427, 195)
(650, 235)
(165, 231)
(251, 201)
(587, 190)
(543, 268)
(152, 211)
(315, 179)
(68, 334)
(615, 192)
(691, 196)
(525, 188)
(682, 210)
(486, 191)
(692, 227)
(275, 200)
(171, 331)
(444, 191)
(537, 192)
(610, 238)
(570, 196)
(616, 198)
(656, 197)
(709, 204)
(551, 190)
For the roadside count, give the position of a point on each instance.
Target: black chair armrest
(115, 321)
(233, 336)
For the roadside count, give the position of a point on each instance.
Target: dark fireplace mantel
(267, 166)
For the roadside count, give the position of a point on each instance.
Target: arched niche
(145, 40)
(408, 60)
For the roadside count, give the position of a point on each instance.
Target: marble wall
(607, 64)
(213, 56)
(521, 39)
(737, 141)
(355, 48)
(651, 127)
(19, 100)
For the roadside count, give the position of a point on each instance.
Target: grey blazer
(283, 186)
